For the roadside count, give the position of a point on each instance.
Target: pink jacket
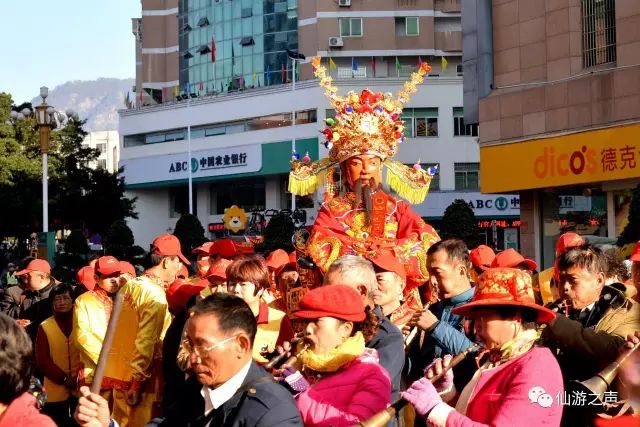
(355, 392)
(24, 413)
(503, 396)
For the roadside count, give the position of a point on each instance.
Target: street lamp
(294, 56)
(47, 119)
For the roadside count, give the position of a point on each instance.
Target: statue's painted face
(363, 167)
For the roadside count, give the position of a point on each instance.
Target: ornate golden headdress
(368, 123)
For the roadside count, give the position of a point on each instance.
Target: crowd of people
(199, 350)
(373, 320)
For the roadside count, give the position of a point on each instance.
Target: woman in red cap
(517, 383)
(340, 381)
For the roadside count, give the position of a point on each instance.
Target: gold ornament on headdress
(368, 123)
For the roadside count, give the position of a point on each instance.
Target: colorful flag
(354, 64)
(297, 68)
(176, 91)
(213, 50)
(398, 66)
(443, 63)
(419, 61)
(241, 81)
(332, 65)
(201, 86)
(283, 74)
(267, 75)
(254, 78)
(373, 65)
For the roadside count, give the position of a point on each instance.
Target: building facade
(108, 144)
(560, 113)
(236, 140)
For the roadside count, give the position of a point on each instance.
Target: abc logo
(550, 164)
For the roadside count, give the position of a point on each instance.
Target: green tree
(190, 232)
(631, 232)
(460, 222)
(277, 234)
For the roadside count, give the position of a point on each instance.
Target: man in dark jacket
(228, 388)
(440, 331)
(29, 303)
(587, 336)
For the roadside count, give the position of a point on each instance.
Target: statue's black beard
(363, 196)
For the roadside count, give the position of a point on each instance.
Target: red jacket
(24, 413)
(501, 397)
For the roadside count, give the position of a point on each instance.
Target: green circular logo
(194, 165)
(501, 203)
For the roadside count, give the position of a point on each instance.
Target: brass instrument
(383, 417)
(601, 382)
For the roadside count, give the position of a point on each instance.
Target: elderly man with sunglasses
(228, 388)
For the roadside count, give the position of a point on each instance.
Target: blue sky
(47, 43)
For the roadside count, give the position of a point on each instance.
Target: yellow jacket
(140, 331)
(91, 314)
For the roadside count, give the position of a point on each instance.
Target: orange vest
(64, 356)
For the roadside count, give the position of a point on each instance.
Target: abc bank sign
(600, 155)
(483, 205)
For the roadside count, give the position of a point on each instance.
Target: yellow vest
(64, 356)
(137, 341)
(267, 335)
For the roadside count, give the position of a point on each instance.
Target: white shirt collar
(215, 398)
(589, 307)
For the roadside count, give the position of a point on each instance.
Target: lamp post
(294, 56)
(47, 118)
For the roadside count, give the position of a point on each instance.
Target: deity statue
(358, 215)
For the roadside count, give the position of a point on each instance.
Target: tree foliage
(119, 242)
(631, 232)
(460, 222)
(190, 232)
(79, 197)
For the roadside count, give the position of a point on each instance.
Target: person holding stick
(517, 383)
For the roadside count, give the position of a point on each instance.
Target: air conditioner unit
(336, 42)
(344, 3)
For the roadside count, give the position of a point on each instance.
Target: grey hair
(354, 269)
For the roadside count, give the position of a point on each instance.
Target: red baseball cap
(482, 257)
(179, 292)
(388, 262)
(635, 256)
(127, 267)
(224, 247)
(277, 259)
(339, 301)
(39, 265)
(203, 249)
(168, 245)
(568, 240)
(219, 269)
(86, 276)
(108, 266)
(510, 258)
(292, 262)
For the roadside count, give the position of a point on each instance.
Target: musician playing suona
(441, 331)
(358, 217)
(248, 278)
(341, 382)
(517, 382)
(589, 336)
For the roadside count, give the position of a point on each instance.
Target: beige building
(561, 122)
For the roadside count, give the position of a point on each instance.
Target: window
(101, 163)
(459, 128)
(407, 26)
(426, 121)
(350, 27)
(467, 176)
(459, 70)
(598, 32)
(249, 194)
(102, 148)
(306, 116)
